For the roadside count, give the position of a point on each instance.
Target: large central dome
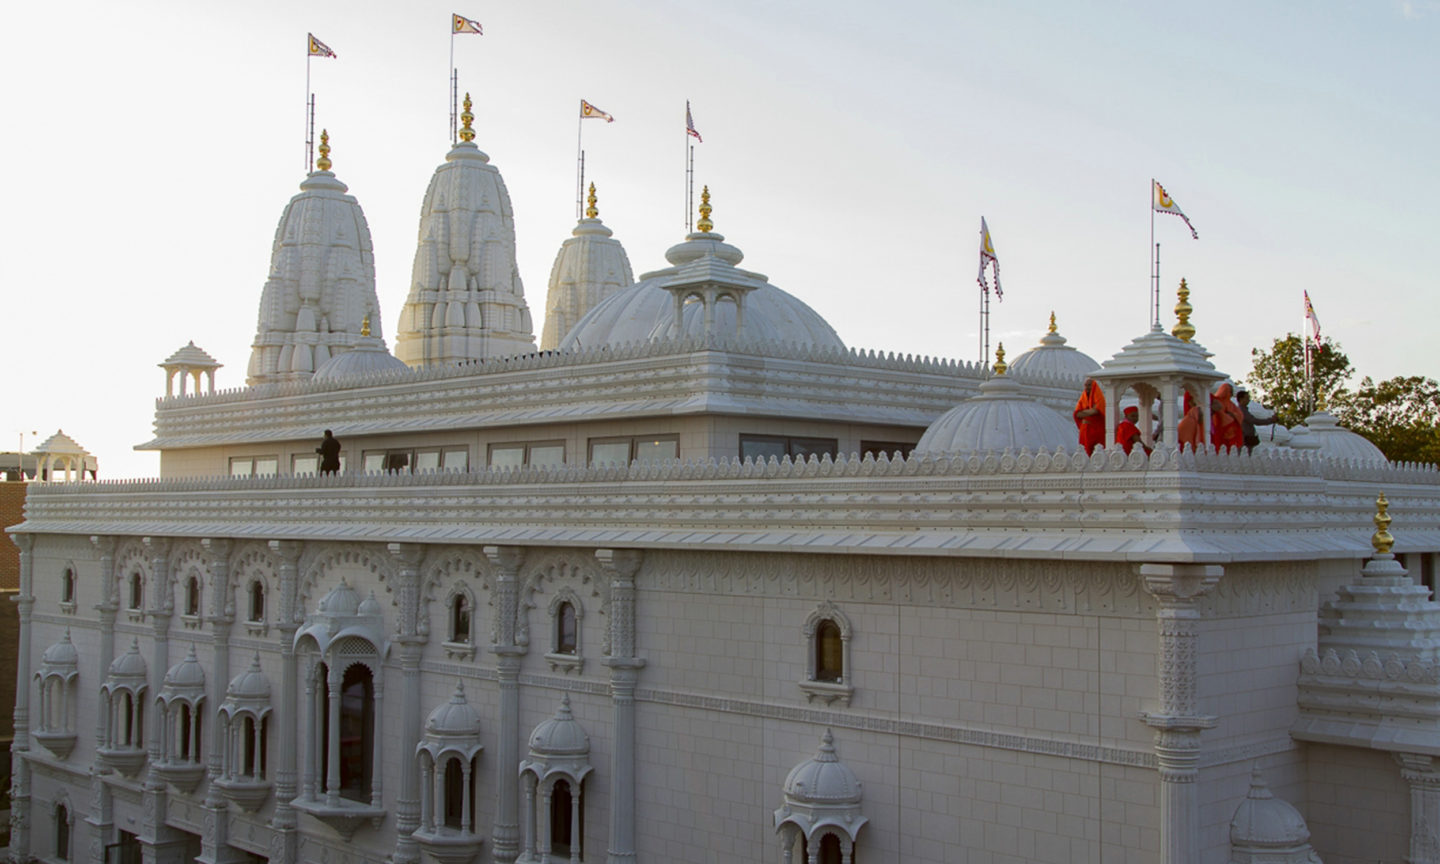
(710, 295)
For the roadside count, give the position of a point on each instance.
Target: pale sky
(851, 149)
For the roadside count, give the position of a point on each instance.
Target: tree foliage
(1401, 416)
(1278, 377)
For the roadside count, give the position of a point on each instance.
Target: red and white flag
(590, 112)
(1165, 204)
(690, 124)
(1314, 323)
(317, 48)
(987, 257)
(461, 24)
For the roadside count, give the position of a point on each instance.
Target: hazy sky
(851, 149)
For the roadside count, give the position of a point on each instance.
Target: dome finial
(1381, 539)
(1000, 364)
(591, 211)
(1052, 321)
(467, 134)
(365, 326)
(704, 224)
(324, 163)
(1184, 330)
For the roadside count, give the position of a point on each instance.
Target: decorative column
(101, 818)
(19, 765)
(621, 566)
(159, 843)
(1423, 775)
(505, 834)
(412, 645)
(284, 842)
(215, 847)
(1177, 725)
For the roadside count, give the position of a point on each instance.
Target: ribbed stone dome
(250, 684)
(466, 300)
(321, 286)
(368, 357)
(341, 601)
(561, 735)
(1337, 442)
(369, 606)
(1263, 822)
(454, 719)
(129, 665)
(1002, 417)
(62, 653)
(823, 779)
(187, 674)
(1054, 358)
(590, 266)
(646, 310)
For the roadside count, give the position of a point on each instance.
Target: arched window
(137, 591)
(567, 822)
(257, 601)
(354, 740)
(192, 596)
(566, 631)
(460, 619)
(456, 795)
(829, 656)
(830, 852)
(253, 748)
(67, 586)
(62, 832)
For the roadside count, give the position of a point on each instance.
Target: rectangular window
(300, 465)
(255, 466)
(406, 461)
(622, 451)
(538, 455)
(761, 447)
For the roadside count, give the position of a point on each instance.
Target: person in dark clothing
(329, 451)
(1250, 421)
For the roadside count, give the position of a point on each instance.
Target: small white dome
(191, 356)
(368, 357)
(250, 684)
(454, 719)
(130, 665)
(62, 653)
(1264, 823)
(342, 601)
(823, 779)
(370, 606)
(1054, 358)
(1002, 417)
(561, 735)
(1337, 442)
(187, 674)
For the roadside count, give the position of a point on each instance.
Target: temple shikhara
(686, 577)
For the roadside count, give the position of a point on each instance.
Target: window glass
(427, 460)
(457, 459)
(304, 464)
(647, 449)
(374, 460)
(242, 467)
(829, 662)
(547, 455)
(610, 452)
(507, 456)
(759, 448)
(762, 447)
(801, 448)
(889, 448)
(267, 466)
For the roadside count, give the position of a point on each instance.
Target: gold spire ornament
(1052, 320)
(1184, 330)
(324, 163)
(1381, 539)
(365, 326)
(704, 224)
(466, 118)
(591, 211)
(1000, 364)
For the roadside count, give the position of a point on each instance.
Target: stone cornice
(1170, 507)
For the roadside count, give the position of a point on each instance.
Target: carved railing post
(1423, 775)
(284, 842)
(621, 565)
(505, 837)
(1177, 725)
(101, 818)
(19, 766)
(412, 644)
(162, 606)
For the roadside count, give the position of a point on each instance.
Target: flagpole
(1154, 264)
(309, 105)
(1309, 370)
(453, 79)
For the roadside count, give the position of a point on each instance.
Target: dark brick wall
(12, 512)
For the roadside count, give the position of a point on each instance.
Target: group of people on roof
(1231, 423)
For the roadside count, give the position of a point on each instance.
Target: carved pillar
(505, 835)
(621, 565)
(283, 844)
(214, 840)
(1177, 725)
(1423, 775)
(19, 766)
(161, 608)
(100, 821)
(412, 645)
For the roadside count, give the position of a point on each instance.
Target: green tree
(1278, 377)
(1401, 416)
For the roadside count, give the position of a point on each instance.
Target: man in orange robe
(1090, 416)
(1227, 422)
(1127, 434)
(1190, 432)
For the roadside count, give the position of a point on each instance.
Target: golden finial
(365, 326)
(705, 224)
(1000, 364)
(1381, 539)
(1184, 330)
(324, 163)
(1052, 320)
(591, 212)
(466, 118)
